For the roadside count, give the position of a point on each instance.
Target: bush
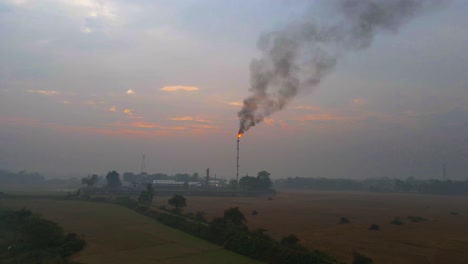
(28, 238)
(343, 220)
(290, 240)
(416, 219)
(374, 227)
(200, 216)
(254, 212)
(359, 258)
(397, 221)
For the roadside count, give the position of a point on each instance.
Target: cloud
(269, 121)
(359, 101)
(128, 112)
(179, 88)
(136, 125)
(44, 92)
(330, 117)
(189, 118)
(113, 109)
(307, 107)
(130, 92)
(238, 103)
(203, 127)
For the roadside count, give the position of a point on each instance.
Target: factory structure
(205, 183)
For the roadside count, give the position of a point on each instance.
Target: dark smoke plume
(300, 55)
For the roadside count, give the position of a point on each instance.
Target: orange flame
(239, 135)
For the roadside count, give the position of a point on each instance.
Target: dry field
(313, 216)
(118, 235)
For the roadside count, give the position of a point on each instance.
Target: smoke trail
(300, 55)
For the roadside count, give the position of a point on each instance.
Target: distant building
(173, 184)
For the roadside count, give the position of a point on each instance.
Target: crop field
(118, 235)
(437, 234)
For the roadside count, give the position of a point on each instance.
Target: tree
(91, 180)
(248, 183)
(290, 240)
(178, 201)
(234, 217)
(263, 180)
(146, 196)
(113, 179)
(129, 177)
(233, 184)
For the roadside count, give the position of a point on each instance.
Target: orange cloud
(128, 112)
(130, 92)
(359, 101)
(235, 103)
(119, 129)
(269, 121)
(44, 92)
(307, 107)
(330, 117)
(203, 127)
(189, 118)
(113, 109)
(179, 88)
(136, 124)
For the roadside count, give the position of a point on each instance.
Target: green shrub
(343, 220)
(359, 258)
(374, 227)
(416, 219)
(397, 221)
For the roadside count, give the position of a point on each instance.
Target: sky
(89, 86)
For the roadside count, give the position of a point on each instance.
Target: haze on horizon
(90, 86)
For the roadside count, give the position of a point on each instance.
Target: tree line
(409, 185)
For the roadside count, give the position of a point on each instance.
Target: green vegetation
(416, 219)
(409, 185)
(261, 182)
(28, 238)
(113, 179)
(343, 220)
(90, 181)
(118, 235)
(374, 227)
(397, 221)
(178, 201)
(359, 258)
(290, 241)
(231, 232)
(146, 196)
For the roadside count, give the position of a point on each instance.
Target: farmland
(441, 236)
(118, 235)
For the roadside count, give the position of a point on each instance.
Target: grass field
(118, 235)
(313, 217)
